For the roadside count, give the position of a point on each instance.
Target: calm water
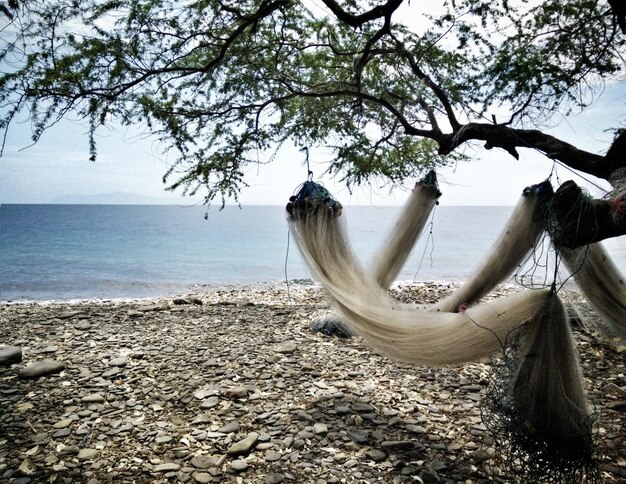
(110, 251)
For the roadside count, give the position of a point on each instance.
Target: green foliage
(223, 84)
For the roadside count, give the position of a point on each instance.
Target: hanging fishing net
(537, 406)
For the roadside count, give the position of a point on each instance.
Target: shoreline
(161, 393)
(202, 290)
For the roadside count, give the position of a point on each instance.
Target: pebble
(239, 465)
(10, 355)
(87, 454)
(209, 403)
(274, 478)
(244, 446)
(167, 467)
(93, 398)
(130, 402)
(41, 368)
(376, 455)
(202, 477)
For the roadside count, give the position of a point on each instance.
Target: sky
(129, 168)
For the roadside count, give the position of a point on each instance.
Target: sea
(69, 252)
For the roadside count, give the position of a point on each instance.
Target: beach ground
(230, 385)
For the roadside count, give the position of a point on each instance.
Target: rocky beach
(231, 385)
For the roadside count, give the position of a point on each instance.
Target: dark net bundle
(312, 197)
(536, 407)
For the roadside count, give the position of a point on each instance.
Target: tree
(223, 84)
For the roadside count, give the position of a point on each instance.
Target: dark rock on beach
(10, 355)
(41, 368)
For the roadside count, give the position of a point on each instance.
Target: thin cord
(286, 259)
(578, 174)
(431, 239)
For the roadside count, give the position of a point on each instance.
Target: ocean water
(123, 251)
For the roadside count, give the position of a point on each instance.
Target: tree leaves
(223, 84)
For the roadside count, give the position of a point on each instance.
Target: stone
(66, 422)
(274, 478)
(93, 398)
(69, 314)
(239, 465)
(616, 405)
(320, 428)
(203, 461)
(87, 454)
(121, 361)
(244, 446)
(10, 355)
(202, 477)
(26, 468)
(286, 348)
(83, 326)
(272, 456)
(229, 428)
(209, 402)
(41, 368)
(416, 429)
(167, 467)
(376, 455)
(59, 434)
(236, 392)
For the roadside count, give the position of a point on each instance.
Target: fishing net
(535, 405)
(517, 239)
(408, 227)
(540, 406)
(601, 282)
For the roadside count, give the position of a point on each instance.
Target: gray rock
(244, 446)
(239, 465)
(84, 326)
(87, 454)
(93, 398)
(203, 461)
(398, 444)
(320, 428)
(202, 477)
(50, 349)
(286, 348)
(236, 392)
(416, 429)
(272, 456)
(66, 422)
(59, 434)
(10, 355)
(167, 467)
(229, 428)
(41, 368)
(26, 468)
(121, 361)
(133, 313)
(69, 314)
(274, 478)
(376, 455)
(209, 402)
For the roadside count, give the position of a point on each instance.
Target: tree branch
(499, 136)
(355, 21)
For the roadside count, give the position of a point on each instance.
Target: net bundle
(538, 408)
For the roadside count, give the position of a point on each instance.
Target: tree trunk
(582, 220)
